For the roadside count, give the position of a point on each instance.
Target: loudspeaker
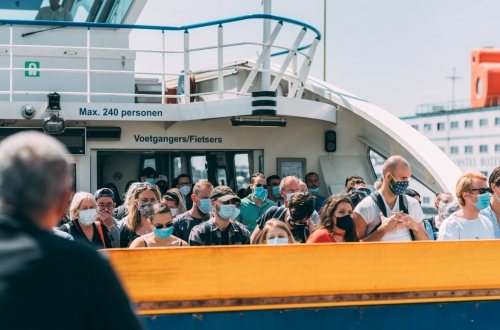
(330, 141)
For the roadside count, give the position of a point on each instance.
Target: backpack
(403, 206)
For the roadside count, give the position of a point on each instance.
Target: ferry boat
(197, 110)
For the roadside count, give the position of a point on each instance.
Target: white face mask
(442, 207)
(277, 241)
(174, 212)
(87, 217)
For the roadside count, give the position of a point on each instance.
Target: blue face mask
(314, 191)
(260, 193)
(277, 241)
(276, 191)
(151, 180)
(398, 187)
(228, 211)
(163, 232)
(205, 206)
(483, 201)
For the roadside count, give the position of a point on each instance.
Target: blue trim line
(219, 22)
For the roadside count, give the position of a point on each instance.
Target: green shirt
(250, 212)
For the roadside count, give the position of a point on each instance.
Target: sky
(396, 54)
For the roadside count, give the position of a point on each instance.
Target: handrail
(169, 28)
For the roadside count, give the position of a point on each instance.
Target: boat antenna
(453, 78)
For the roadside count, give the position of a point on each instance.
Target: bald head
(392, 164)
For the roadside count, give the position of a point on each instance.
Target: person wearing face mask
(148, 174)
(275, 232)
(175, 201)
(336, 223)
(492, 212)
(403, 215)
(162, 228)
(312, 181)
(184, 184)
(83, 225)
(199, 212)
(441, 203)
(222, 229)
(467, 223)
(296, 215)
(139, 206)
(255, 204)
(273, 189)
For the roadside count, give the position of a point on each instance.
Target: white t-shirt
(369, 210)
(457, 228)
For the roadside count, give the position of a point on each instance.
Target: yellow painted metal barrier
(198, 279)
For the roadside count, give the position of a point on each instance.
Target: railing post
(298, 87)
(11, 64)
(88, 65)
(266, 66)
(187, 85)
(220, 60)
(163, 67)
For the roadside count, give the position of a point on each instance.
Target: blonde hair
(134, 216)
(271, 224)
(464, 184)
(77, 200)
(202, 184)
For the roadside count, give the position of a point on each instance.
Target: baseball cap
(223, 194)
(104, 192)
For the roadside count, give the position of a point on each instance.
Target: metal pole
(324, 40)
(220, 60)
(453, 78)
(266, 66)
(88, 65)
(163, 82)
(187, 86)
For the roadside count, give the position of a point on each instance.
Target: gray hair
(34, 172)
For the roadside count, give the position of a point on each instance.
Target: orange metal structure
(485, 78)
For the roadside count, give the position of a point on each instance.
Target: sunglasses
(233, 202)
(293, 222)
(261, 185)
(358, 181)
(482, 190)
(160, 226)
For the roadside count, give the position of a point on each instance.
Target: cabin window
(415, 126)
(242, 169)
(454, 125)
(426, 200)
(149, 162)
(454, 150)
(468, 149)
(497, 147)
(497, 121)
(483, 122)
(468, 124)
(485, 173)
(177, 167)
(442, 149)
(221, 176)
(483, 148)
(427, 127)
(440, 126)
(199, 168)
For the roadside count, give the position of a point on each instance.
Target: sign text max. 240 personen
(119, 113)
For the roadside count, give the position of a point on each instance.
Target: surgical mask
(163, 232)
(185, 190)
(442, 207)
(289, 196)
(314, 191)
(151, 180)
(228, 211)
(174, 212)
(260, 192)
(398, 187)
(277, 241)
(87, 217)
(483, 201)
(345, 222)
(205, 206)
(146, 209)
(276, 191)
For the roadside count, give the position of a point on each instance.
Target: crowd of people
(287, 210)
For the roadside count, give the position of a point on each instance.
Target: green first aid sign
(32, 69)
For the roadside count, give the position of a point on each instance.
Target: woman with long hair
(336, 223)
(275, 232)
(136, 222)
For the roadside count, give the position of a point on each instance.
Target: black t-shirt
(73, 228)
(48, 282)
(184, 223)
(127, 236)
(300, 233)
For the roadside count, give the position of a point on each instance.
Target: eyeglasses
(233, 202)
(144, 184)
(187, 183)
(160, 226)
(261, 185)
(482, 190)
(105, 206)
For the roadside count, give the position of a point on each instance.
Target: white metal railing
(293, 52)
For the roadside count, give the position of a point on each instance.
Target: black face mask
(345, 222)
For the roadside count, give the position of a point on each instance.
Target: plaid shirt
(207, 233)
